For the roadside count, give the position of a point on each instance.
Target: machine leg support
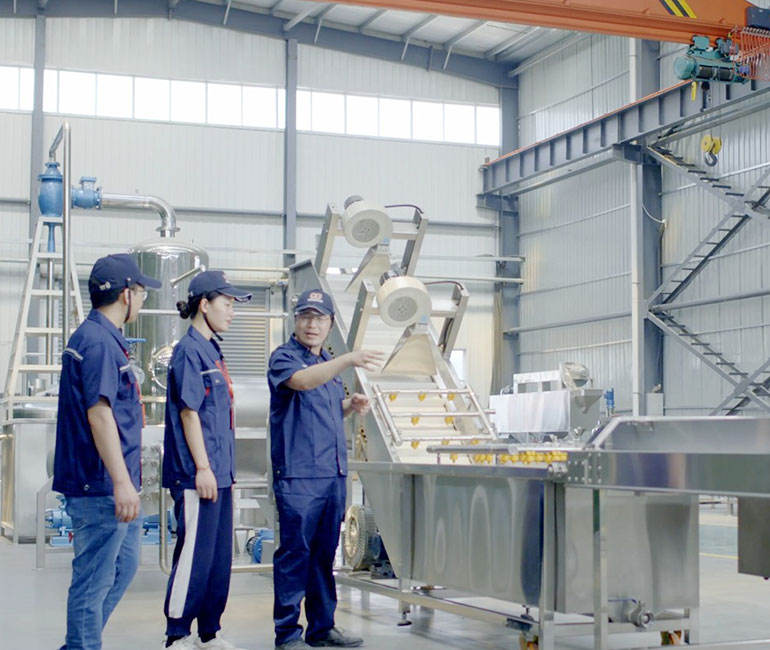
(405, 609)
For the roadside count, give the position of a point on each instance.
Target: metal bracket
(508, 205)
(631, 153)
(413, 233)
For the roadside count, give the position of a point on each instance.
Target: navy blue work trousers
(203, 556)
(310, 512)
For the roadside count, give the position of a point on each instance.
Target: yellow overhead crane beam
(658, 20)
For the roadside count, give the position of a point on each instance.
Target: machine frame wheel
(359, 529)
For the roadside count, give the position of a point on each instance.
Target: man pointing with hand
(309, 458)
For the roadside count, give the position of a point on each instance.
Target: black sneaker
(335, 638)
(294, 644)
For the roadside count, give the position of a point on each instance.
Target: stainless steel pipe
(168, 226)
(64, 138)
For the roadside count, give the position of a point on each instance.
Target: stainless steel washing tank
(165, 259)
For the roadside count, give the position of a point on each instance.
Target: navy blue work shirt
(307, 435)
(198, 380)
(95, 365)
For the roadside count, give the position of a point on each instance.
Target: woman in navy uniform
(199, 466)
(309, 459)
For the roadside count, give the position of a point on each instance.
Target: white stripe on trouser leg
(178, 597)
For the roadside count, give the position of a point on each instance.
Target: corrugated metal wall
(14, 184)
(232, 178)
(337, 71)
(169, 49)
(17, 42)
(581, 82)
(574, 233)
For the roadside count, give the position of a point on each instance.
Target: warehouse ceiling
(494, 41)
(486, 51)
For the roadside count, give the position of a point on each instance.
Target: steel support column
(290, 156)
(645, 199)
(506, 294)
(37, 124)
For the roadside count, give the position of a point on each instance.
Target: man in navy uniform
(98, 449)
(309, 459)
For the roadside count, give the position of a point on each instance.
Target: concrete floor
(32, 606)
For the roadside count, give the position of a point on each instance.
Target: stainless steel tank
(165, 259)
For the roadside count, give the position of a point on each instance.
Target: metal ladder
(21, 365)
(748, 388)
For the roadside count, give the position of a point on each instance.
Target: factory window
(395, 118)
(77, 93)
(488, 125)
(260, 107)
(51, 91)
(303, 110)
(188, 102)
(197, 102)
(459, 123)
(114, 95)
(151, 98)
(361, 115)
(9, 88)
(427, 121)
(281, 102)
(26, 89)
(224, 105)
(328, 112)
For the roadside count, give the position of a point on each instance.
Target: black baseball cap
(118, 271)
(210, 281)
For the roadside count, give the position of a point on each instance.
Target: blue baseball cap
(118, 271)
(316, 300)
(209, 281)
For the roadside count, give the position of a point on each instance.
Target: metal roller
(403, 301)
(366, 224)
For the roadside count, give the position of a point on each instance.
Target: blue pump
(50, 199)
(609, 401)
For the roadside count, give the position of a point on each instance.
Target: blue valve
(87, 195)
(609, 401)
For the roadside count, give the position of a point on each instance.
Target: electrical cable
(647, 212)
(405, 205)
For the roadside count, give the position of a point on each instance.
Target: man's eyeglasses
(310, 317)
(139, 290)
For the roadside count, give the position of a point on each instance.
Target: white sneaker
(181, 644)
(217, 643)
